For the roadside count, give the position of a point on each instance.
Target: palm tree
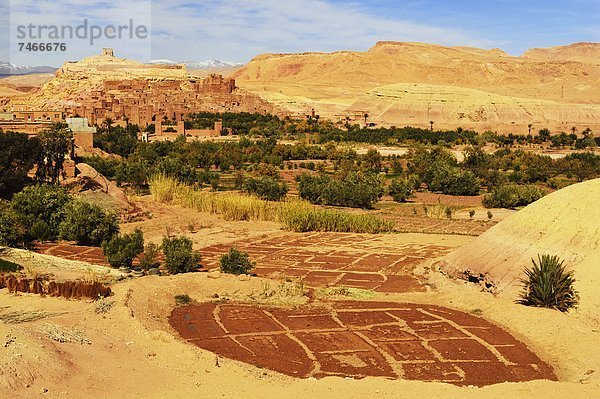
(574, 129)
(366, 118)
(586, 133)
(529, 127)
(431, 123)
(108, 122)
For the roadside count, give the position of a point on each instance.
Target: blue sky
(237, 30)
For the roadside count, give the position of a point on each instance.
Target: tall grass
(302, 217)
(232, 206)
(294, 215)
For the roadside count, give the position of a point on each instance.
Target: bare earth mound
(565, 223)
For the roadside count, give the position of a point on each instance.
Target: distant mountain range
(210, 64)
(7, 68)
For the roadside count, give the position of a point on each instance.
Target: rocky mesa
(415, 83)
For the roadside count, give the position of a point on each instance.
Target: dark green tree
(55, 144)
(179, 255)
(121, 250)
(18, 155)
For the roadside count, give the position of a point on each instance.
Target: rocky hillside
(413, 83)
(76, 83)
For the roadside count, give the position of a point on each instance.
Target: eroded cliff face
(413, 83)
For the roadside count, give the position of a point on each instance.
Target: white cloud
(233, 30)
(240, 29)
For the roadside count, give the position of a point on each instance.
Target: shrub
(549, 285)
(175, 168)
(182, 300)
(560, 182)
(453, 181)
(401, 190)
(266, 188)
(512, 196)
(236, 262)
(448, 211)
(267, 170)
(9, 267)
(121, 250)
(88, 224)
(179, 255)
(40, 231)
(132, 171)
(149, 259)
(105, 166)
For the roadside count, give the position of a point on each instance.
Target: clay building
(144, 101)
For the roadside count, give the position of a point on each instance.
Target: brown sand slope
(565, 223)
(454, 86)
(578, 52)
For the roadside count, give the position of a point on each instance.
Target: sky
(237, 30)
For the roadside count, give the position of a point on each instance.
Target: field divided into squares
(360, 339)
(335, 259)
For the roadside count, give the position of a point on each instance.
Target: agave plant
(549, 285)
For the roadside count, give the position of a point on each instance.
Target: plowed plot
(360, 339)
(335, 259)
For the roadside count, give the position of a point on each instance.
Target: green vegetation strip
(294, 215)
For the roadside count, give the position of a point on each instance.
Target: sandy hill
(578, 52)
(556, 87)
(565, 223)
(21, 85)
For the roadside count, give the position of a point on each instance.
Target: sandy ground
(134, 354)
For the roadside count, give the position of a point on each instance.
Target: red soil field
(334, 259)
(318, 259)
(360, 339)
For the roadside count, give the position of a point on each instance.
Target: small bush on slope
(236, 262)
(121, 250)
(549, 285)
(179, 255)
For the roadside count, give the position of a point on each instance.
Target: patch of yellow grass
(294, 215)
